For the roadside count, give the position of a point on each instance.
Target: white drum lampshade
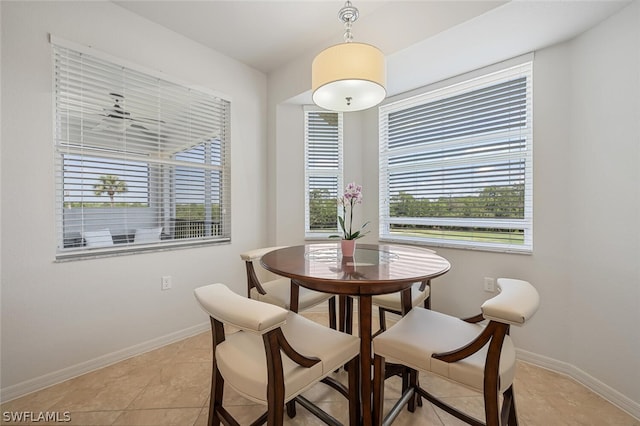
(349, 77)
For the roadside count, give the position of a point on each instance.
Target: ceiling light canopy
(348, 76)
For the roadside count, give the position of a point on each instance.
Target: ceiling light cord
(348, 14)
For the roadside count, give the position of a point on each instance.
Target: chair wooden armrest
(474, 319)
(494, 330)
(276, 341)
(252, 279)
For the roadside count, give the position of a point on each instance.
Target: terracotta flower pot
(348, 247)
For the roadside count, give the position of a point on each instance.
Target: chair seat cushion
(392, 301)
(279, 294)
(242, 361)
(423, 332)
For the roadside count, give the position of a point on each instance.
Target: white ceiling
(268, 34)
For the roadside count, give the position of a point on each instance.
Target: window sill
(460, 245)
(132, 250)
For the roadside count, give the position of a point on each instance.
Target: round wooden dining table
(374, 269)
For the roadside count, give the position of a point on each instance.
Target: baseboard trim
(38, 383)
(613, 396)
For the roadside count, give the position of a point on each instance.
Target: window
(323, 171)
(455, 164)
(142, 163)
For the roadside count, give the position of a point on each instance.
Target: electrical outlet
(489, 284)
(166, 282)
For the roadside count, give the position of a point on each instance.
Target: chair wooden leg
(354, 391)
(275, 412)
(341, 312)
(382, 319)
(291, 409)
(378, 389)
(294, 298)
(217, 390)
(275, 379)
(349, 316)
(346, 314)
(513, 417)
(492, 365)
(217, 381)
(332, 313)
(508, 414)
(427, 302)
(404, 374)
(492, 415)
(418, 396)
(413, 383)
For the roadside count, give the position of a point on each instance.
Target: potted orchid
(351, 197)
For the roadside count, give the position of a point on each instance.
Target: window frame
(445, 90)
(162, 162)
(310, 173)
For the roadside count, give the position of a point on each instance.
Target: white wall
(62, 318)
(289, 173)
(586, 197)
(285, 154)
(604, 179)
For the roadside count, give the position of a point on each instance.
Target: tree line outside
(111, 185)
(497, 202)
(188, 211)
(492, 202)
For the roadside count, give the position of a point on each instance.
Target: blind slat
(136, 153)
(455, 164)
(323, 171)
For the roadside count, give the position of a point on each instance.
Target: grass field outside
(511, 237)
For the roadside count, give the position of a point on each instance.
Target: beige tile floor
(170, 386)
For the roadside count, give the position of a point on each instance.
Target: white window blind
(456, 164)
(142, 163)
(323, 171)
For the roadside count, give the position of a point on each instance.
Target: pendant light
(348, 76)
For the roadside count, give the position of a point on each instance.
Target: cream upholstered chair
(274, 357)
(391, 303)
(386, 303)
(277, 290)
(481, 357)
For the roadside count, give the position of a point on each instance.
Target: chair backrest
(230, 308)
(256, 254)
(515, 304)
(257, 275)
